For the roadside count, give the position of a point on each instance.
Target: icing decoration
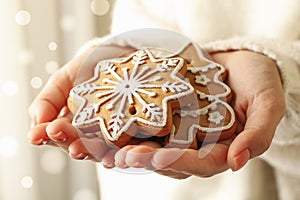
(215, 117)
(202, 79)
(216, 80)
(123, 85)
(192, 117)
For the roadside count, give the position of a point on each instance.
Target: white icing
(202, 79)
(220, 128)
(141, 80)
(221, 70)
(173, 138)
(194, 113)
(214, 117)
(127, 87)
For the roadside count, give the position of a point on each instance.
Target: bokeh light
(36, 82)
(10, 88)
(27, 182)
(23, 17)
(52, 46)
(100, 7)
(8, 146)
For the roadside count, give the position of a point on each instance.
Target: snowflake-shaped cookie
(131, 94)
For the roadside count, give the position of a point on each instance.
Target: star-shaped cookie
(132, 94)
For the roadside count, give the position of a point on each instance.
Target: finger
(38, 135)
(46, 108)
(192, 162)
(137, 156)
(88, 148)
(62, 131)
(120, 156)
(257, 134)
(108, 160)
(140, 156)
(53, 96)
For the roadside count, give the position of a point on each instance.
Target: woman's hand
(49, 112)
(259, 105)
(258, 102)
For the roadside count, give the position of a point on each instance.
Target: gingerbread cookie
(130, 95)
(212, 118)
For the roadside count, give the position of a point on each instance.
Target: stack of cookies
(176, 99)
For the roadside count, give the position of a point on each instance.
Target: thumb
(257, 135)
(52, 98)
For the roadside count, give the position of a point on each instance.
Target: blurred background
(37, 37)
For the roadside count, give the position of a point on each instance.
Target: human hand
(259, 105)
(49, 112)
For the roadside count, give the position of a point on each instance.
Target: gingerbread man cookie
(212, 118)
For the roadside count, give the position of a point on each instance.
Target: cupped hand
(50, 115)
(259, 104)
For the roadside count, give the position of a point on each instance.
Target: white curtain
(36, 37)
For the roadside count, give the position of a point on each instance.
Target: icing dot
(51, 66)
(52, 46)
(23, 17)
(36, 82)
(27, 182)
(53, 161)
(100, 7)
(67, 23)
(8, 146)
(10, 88)
(85, 193)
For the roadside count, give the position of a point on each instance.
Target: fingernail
(121, 165)
(136, 164)
(241, 159)
(59, 137)
(41, 141)
(86, 157)
(81, 156)
(108, 165)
